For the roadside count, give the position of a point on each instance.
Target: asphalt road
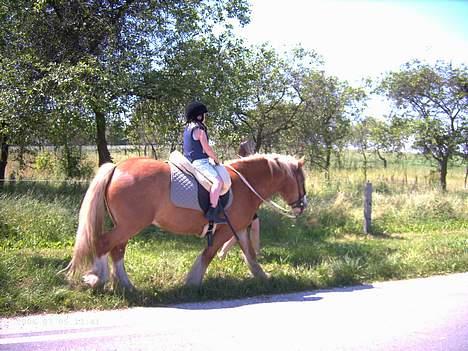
(428, 314)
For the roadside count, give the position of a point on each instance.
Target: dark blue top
(193, 149)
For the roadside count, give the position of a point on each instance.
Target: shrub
(45, 162)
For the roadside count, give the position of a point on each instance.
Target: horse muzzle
(299, 206)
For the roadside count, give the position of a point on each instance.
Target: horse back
(135, 185)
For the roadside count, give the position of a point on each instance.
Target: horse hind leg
(99, 273)
(119, 274)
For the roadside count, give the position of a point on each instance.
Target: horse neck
(266, 180)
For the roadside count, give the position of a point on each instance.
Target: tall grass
(418, 231)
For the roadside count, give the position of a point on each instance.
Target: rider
(198, 151)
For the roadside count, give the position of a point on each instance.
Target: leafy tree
(329, 107)
(87, 58)
(210, 68)
(361, 138)
(435, 100)
(388, 136)
(273, 101)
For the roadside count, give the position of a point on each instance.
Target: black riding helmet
(194, 109)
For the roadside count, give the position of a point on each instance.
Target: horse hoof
(192, 282)
(264, 276)
(92, 280)
(120, 286)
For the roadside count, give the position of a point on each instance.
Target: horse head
(292, 188)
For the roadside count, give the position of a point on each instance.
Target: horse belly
(179, 221)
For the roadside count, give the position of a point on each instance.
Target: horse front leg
(250, 257)
(196, 274)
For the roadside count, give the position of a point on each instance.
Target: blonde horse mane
(285, 162)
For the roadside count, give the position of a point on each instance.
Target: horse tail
(91, 220)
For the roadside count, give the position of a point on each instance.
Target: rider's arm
(200, 135)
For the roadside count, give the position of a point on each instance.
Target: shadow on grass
(221, 293)
(49, 262)
(320, 251)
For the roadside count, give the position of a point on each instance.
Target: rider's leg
(213, 214)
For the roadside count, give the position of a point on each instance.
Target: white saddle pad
(182, 163)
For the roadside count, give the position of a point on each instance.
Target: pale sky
(364, 38)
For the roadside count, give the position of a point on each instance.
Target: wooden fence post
(368, 208)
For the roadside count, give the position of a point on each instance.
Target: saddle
(190, 188)
(181, 162)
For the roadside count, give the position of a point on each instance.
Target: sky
(365, 38)
(359, 39)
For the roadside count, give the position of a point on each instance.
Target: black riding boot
(213, 213)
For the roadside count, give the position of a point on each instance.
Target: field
(418, 231)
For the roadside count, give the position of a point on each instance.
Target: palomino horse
(136, 194)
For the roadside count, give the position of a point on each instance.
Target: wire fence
(66, 181)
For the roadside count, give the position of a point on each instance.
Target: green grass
(419, 232)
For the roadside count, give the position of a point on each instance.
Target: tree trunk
(3, 158)
(443, 165)
(258, 141)
(327, 163)
(103, 151)
(364, 164)
(384, 160)
(466, 175)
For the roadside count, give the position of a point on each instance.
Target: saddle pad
(184, 190)
(179, 160)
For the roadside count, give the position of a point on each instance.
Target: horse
(136, 193)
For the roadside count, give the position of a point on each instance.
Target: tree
(273, 102)
(98, 51)
(210, 68)
(434, 99)
(387, 136)
(329, 107)
(361, 138)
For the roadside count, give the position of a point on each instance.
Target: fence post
(368, 208)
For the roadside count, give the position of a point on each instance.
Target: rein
(273, 205)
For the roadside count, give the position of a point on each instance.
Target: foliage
(330, 105)
(209, 69)
(81, 62)
(388, 136)
(273, 102)
(434, 98)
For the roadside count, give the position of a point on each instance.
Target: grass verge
(418, 233)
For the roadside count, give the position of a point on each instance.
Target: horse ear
(301, 161)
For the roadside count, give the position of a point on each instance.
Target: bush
(45, 162)
(70, 164)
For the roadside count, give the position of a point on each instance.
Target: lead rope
(273, 205)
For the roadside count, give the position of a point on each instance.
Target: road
(429, 314)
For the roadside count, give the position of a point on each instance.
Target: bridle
(301, 202)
